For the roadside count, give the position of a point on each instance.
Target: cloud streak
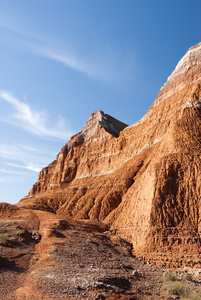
(76, 62)
(30, 167)
(106, 65)
(34, 121)
(17, 156)
(66, 59)
(90, 58)
(11, 172)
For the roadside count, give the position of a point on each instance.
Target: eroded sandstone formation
(144, 179)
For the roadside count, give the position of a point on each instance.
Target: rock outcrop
(144, 179)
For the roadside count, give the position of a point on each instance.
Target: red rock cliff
(145, 181)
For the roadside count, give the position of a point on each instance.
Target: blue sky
(60, 60)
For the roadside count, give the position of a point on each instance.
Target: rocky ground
(68, 259)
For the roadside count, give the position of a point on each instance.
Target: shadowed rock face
(143, 179)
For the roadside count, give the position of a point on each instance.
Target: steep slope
(145, 182)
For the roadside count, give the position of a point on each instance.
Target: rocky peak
(97, 120)
(111, 125)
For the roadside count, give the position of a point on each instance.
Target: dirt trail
(41, 260)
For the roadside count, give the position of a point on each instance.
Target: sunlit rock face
(143, 179)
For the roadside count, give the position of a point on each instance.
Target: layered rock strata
(144, 179)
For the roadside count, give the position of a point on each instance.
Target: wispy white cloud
(11, 152)
(11, 172)
(32, 149)
(6, 22)
(106, 65)
(75, 62)
(96, 60)
(65, 58)
(34, 121)
(17, 156)
(18, 163)
(30, 167)
(13, 24)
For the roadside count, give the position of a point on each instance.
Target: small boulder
(36, 236)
